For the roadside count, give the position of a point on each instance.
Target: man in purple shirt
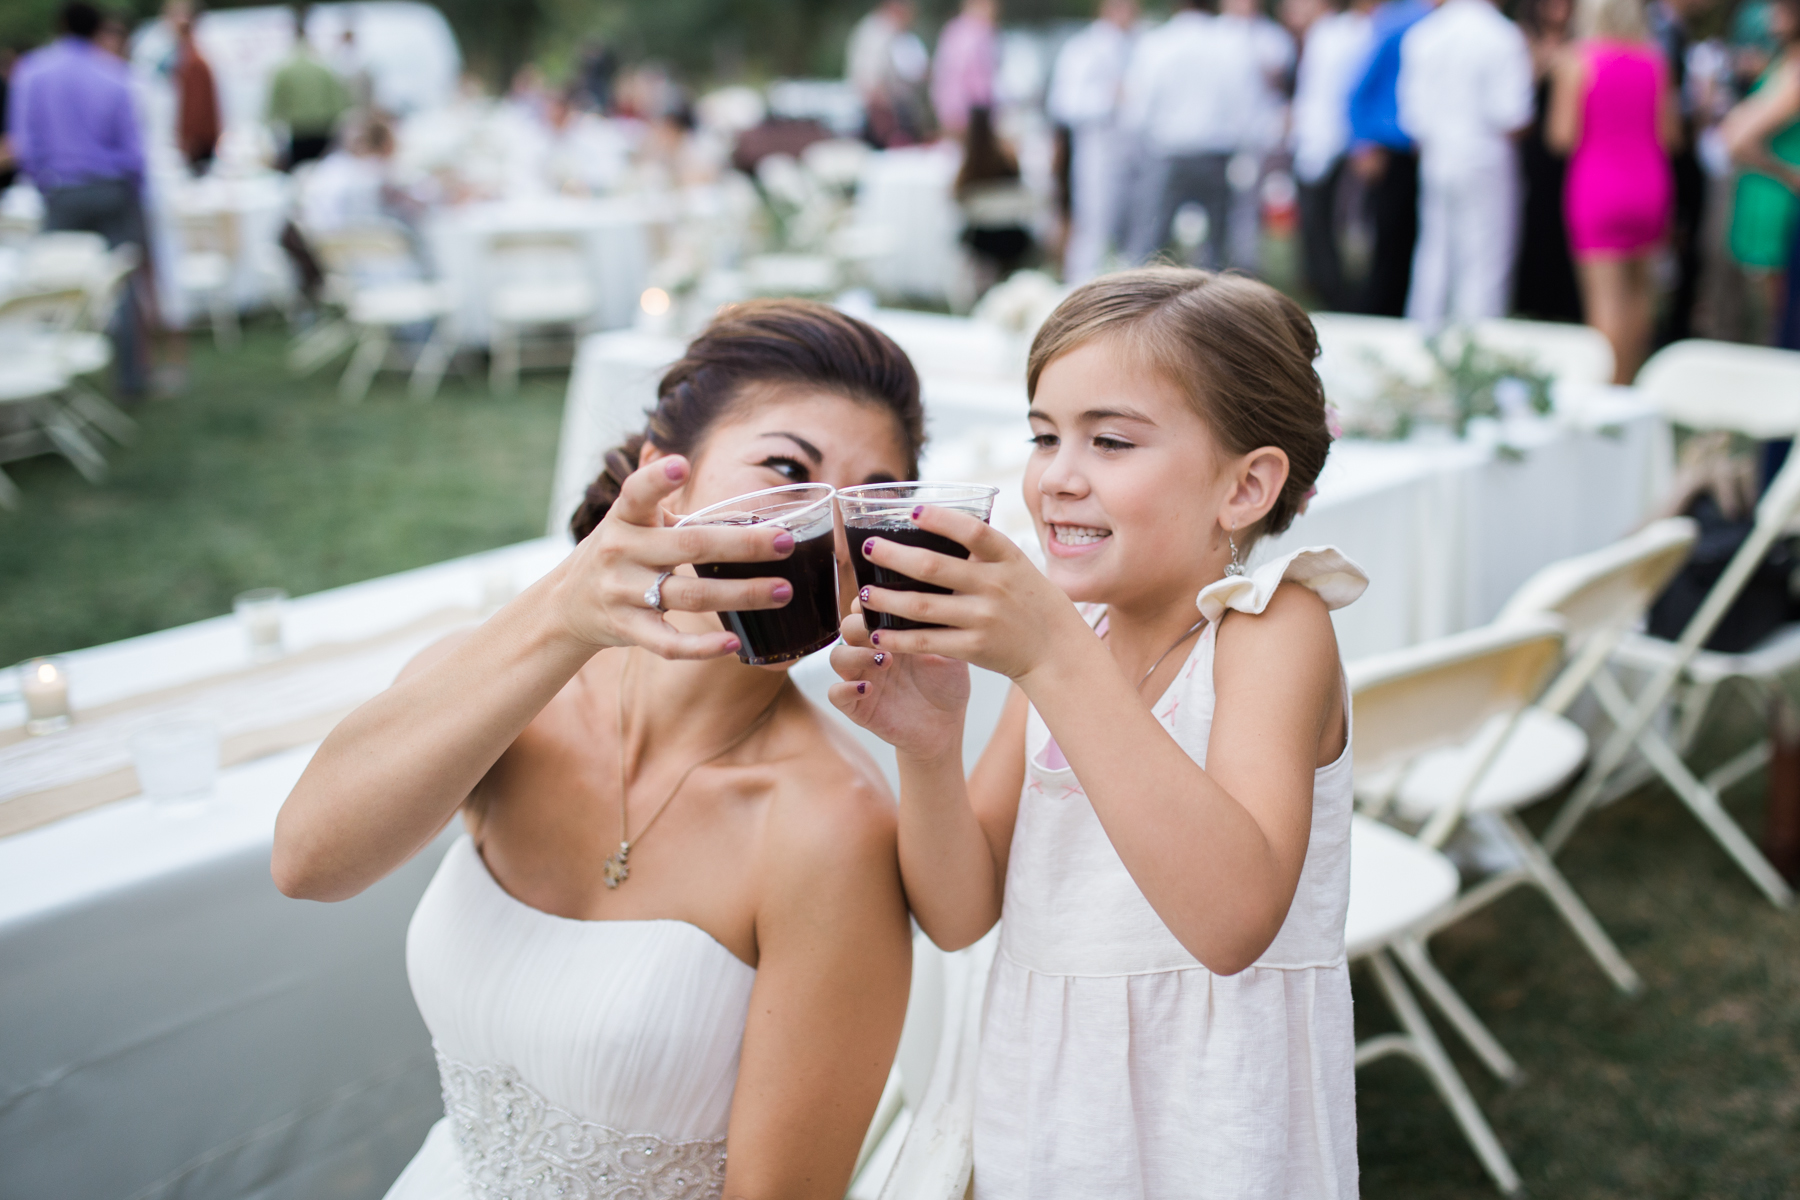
(75, 133)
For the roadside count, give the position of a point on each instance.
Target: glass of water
(177, 763)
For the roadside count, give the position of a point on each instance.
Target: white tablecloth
(170, 1025)
(613, 231)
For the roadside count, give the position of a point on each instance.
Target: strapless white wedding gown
(579, 1059)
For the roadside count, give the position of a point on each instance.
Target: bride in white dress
(611, 1029)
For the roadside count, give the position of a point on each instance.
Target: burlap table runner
(259, 711)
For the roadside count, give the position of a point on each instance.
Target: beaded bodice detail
(516, 1145)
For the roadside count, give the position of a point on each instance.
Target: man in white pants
(1084, 95)
(1464, 91)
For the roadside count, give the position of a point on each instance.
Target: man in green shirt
(307, 97)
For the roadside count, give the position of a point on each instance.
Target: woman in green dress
(1763, 135)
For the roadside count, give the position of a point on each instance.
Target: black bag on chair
(1764, 605)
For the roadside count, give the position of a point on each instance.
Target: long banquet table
(170, 1024)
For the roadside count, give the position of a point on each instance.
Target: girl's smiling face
(1131, 491)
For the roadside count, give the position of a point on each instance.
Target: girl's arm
(1562, 125)
(1216, 851)
(394, 772)
(834, 960)
(955, 834)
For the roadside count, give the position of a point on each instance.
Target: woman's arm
(834, 960)
(955, 834)
(1216, 851)
(1562, 126)
(393, 772)
(1748, 128)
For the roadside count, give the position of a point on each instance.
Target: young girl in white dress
(1161, 823)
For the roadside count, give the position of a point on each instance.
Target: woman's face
(790, 434)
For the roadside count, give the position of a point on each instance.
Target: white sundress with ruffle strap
(1112, 1063)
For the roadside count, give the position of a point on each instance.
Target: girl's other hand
(913, 702)
(601, 596)
(1005, 615)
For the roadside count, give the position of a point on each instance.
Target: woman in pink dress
(1613, 112)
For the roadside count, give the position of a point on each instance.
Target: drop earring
(1236, 565)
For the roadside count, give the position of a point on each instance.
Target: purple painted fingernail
(862, 689)
(880, 658)
(868, 547)
(863, 595)
(875, 639)
(784, 591)
(733, 645)
(784, 541)
(917, 511)
(675, 469)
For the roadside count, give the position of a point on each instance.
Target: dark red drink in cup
(884, 510)
(809, 621)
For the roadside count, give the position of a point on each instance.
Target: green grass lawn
(257, 479)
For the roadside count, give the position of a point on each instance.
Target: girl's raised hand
(913, 702)
(1005, 616)
(602, 597)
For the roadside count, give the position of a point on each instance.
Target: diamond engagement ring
(653, 593)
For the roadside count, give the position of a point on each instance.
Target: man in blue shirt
(1387, 161)
(75, 133)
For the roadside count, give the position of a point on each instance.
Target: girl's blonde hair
(1614, 20)
(1240, 350)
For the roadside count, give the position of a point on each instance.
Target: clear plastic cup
(259, 614)
(177, 763)
(884, 510)
(809, 621)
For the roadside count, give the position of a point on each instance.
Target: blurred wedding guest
(1613, 112)
(75, 132)
(306, 98)
(197, 124)
(1263, 54)
(886, 62)
(577, 153)
(962, 71)
(348, 61)
(528, 94)
(1335, 45)
(1084, 96)
(594, 76)
(1671, 26)
(997, 208)
(114, 36)
(1544, 286)
(1385, 159)
(1189, 105)
(347, 188)
(9, 163)
(1763, 136)
(1464, 90)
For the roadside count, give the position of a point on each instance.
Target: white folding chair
(205, 268)
(30, 386)
(1755, 391)
(924, 1149)
(537, 281)
(1406, 704)
(1599, 596)
(373, 280)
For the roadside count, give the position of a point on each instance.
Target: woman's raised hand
(604, 596)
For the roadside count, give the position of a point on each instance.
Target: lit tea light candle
(44, 684)
(259, 613)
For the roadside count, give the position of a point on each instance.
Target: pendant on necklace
(617, 869)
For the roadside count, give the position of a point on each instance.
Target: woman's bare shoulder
(832, 809)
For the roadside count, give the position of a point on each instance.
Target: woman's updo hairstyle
(757, 343)
(1240, 350)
